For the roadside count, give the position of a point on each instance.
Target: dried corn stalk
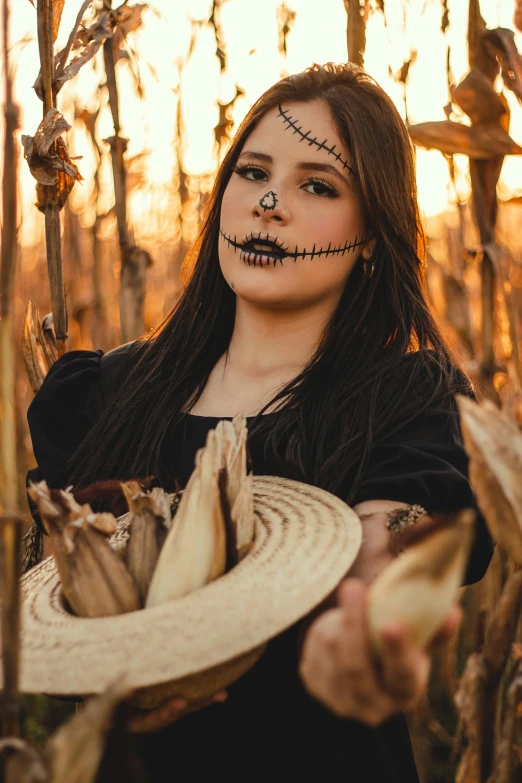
(134, 260)
(39, 350)
(494, 446)
(46, 152)
(477, 695)
(517, 18)
(84, 42)
(10, 531)
(486, 143)
(357, 12)
(77, 750)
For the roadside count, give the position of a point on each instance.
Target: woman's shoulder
(82, 374)
(430, 370)
(67, 404)
(113, 365)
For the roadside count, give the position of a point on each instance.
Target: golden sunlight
(174, 69)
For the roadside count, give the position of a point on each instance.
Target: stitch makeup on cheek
(260, 249)
(269, 201)
(312, 141)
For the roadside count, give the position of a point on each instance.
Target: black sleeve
(65, 408)
(62, 412)
(424, 462)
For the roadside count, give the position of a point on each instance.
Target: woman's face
(292, 224)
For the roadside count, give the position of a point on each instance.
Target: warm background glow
(161, 50)
(170, 174)
(173, 57)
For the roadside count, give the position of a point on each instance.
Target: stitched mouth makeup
(262, 249)
(258, 249)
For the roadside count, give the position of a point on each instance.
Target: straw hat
(306, 540)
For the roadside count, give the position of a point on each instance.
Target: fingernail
(220, 697)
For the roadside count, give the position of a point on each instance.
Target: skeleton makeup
(291, 123)
(288, 203)
(269, 201)
(260, 249)
(263, 249)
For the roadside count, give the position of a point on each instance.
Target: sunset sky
(251, 34)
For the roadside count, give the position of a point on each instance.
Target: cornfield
(97, 262)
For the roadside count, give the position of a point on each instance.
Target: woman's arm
(337, 665)
(375, 552)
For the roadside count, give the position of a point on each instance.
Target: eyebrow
(302, 165)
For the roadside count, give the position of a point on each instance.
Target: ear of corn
(232, 440)
(232, 558)
(236, 463)
(194, 552)
(164, 559)
(420, 586)
(94, 579)
(148, 531)
(494, 446)
(243, 517)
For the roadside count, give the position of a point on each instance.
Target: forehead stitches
(312, 141)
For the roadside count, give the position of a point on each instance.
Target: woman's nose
(269, 208)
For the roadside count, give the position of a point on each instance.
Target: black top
(270, 728)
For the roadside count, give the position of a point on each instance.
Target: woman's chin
(263, 292)
(263, 297)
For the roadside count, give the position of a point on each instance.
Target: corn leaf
(480, 142)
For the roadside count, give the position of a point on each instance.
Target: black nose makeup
(269, 201)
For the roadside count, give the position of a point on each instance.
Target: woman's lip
(269, 249)
(260, 255)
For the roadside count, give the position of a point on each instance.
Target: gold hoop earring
(369, 273)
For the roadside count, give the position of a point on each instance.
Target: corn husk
(243, 517)
(194, 552)
(494, 446)
(419, 588)
(239, 484)
(22, 763)
(232, 438)
(75, 751)
(94, 579)
(148, 527)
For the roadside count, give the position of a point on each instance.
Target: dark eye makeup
(328, 191)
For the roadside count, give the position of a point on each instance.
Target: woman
(304, 308)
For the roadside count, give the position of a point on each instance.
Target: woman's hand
(168, 712)
(338, 668)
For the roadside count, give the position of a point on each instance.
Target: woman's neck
(271, 341)
(267, 350)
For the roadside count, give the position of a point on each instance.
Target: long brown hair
(353, 391)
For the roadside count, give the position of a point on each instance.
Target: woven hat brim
(306, 541)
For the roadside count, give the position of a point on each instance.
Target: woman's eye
(321, 188)
(252, 173)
